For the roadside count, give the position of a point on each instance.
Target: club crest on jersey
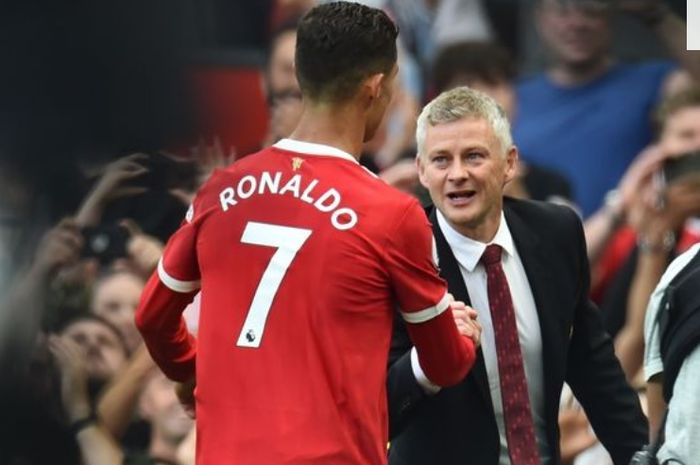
(296, 163)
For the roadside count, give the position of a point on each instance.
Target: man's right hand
(185, 394)
(466, 321)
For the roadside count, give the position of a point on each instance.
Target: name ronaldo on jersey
(328, 201)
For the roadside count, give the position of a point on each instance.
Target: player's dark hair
(482, 61)
(339, 45)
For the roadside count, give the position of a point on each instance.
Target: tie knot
(492, 255)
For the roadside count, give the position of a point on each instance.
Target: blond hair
(463, 102)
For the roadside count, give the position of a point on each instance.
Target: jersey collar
(309, 148)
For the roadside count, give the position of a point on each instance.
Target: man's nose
(457, 171)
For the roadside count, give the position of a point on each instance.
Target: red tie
(520, 430)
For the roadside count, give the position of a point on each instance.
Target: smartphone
(680, 166)
(105, 242)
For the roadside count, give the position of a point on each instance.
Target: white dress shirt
(468, 253)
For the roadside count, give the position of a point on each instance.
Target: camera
(646, 456)
(106, 243)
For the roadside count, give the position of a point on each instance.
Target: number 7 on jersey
(287, 241)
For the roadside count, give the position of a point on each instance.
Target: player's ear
(374, 85)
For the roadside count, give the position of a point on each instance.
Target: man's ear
(511, 163)
(420, 166)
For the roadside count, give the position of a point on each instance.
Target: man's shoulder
(650, 67)
(533, 83)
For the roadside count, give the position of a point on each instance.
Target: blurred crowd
(599, 121)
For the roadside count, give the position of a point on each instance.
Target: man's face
(115, 300)
(379, 106)
(104, 352)
(465, 170)
(160, 405)
(281, 77)
(577, 33)
(681, 133)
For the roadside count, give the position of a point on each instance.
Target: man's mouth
(461, 197)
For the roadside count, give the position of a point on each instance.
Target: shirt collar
(309, 148)
(467, 251)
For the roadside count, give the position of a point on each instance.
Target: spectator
(281, 87)
(672, 360)
(428, 25)
(284, 338)
(103, 346)
(572, 118)
(169, 422)
(96, 445)
(115, 298)
(526, 262)
(629, 273)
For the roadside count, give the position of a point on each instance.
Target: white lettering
(305, 195)
(252, 184)
(226, 198)
(342, 219)
(292, 185)
(337, 224)
(334, 197)
(266, 180)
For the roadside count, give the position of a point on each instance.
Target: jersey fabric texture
(589, 133)
(302, 256)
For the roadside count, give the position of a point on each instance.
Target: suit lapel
(533, 255)
(449, 271)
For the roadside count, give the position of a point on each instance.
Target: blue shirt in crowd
(589, 133)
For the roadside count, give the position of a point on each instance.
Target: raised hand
(112, 185)
(70, 359)
(59, 247)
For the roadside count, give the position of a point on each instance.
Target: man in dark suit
(522, 265)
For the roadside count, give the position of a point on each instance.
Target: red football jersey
(303, 256)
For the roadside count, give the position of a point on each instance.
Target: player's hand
(185, 394)
(466, 321)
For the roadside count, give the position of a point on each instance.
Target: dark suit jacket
(457, 426)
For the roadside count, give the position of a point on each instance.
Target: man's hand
(576, 434)
(113, 184)
(60, 247)
(70, 359)
(185, 394)
(465, 319)
(143, 251)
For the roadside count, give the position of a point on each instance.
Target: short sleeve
(421, 293)
(653, 363)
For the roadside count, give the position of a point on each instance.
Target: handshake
(466, 320)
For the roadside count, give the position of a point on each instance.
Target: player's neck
(341, 127)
